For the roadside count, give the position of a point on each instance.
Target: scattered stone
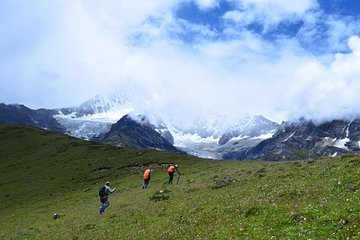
(101, 169)
(89, 226)
(160, 195)
(56, 216)
(224, 182)
(139, 153)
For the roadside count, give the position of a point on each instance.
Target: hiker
(147, 174)
(104, 195)
(171, 170)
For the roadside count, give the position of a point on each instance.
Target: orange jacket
(147, 174)
(171, 169)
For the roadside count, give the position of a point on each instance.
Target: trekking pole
(177, 181)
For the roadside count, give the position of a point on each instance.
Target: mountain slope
(304, 139)
(220, 138)
(249, 128)
(137, 133)
(37, 161)
(114, 100)
(44, 173)
(19, 114)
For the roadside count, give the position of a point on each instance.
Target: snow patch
(90, 126)
(110, 117)
(265, 136)
(341, 143)
(105, 117)
(196, 145)
(239, 138)
(71, 115)
(184, 140)
(262, 136)
(289, 136)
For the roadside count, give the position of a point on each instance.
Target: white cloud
(327, 33)
(242, 17)
(326, 91)
(269, 13)
(206, 4)
(228, 77)
(340, 29)
(68, 51)
(298, 7)
(69, 48)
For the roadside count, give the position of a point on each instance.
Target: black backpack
(102, 191)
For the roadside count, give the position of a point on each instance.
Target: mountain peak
(137, 133)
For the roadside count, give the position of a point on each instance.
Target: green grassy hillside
(43, 173)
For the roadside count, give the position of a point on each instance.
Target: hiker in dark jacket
(104, 196)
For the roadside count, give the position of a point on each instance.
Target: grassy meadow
(43, 173)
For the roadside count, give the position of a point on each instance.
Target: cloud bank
(234, 58)
(328, 90)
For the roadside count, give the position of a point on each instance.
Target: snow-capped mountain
(204, 137)
(218, 136)
(108, 105)
(137, 131)
(250, 127)
(93, 118)
(252, 137)
(305, 139)
(209, 136)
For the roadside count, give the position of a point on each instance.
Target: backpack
(146, 174)
(171, 169)
(102, 192)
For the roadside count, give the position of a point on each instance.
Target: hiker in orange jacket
(147, 174)
(171, 170)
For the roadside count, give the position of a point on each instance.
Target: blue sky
(283, 59)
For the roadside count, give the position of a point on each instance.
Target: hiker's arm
(109, 190)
